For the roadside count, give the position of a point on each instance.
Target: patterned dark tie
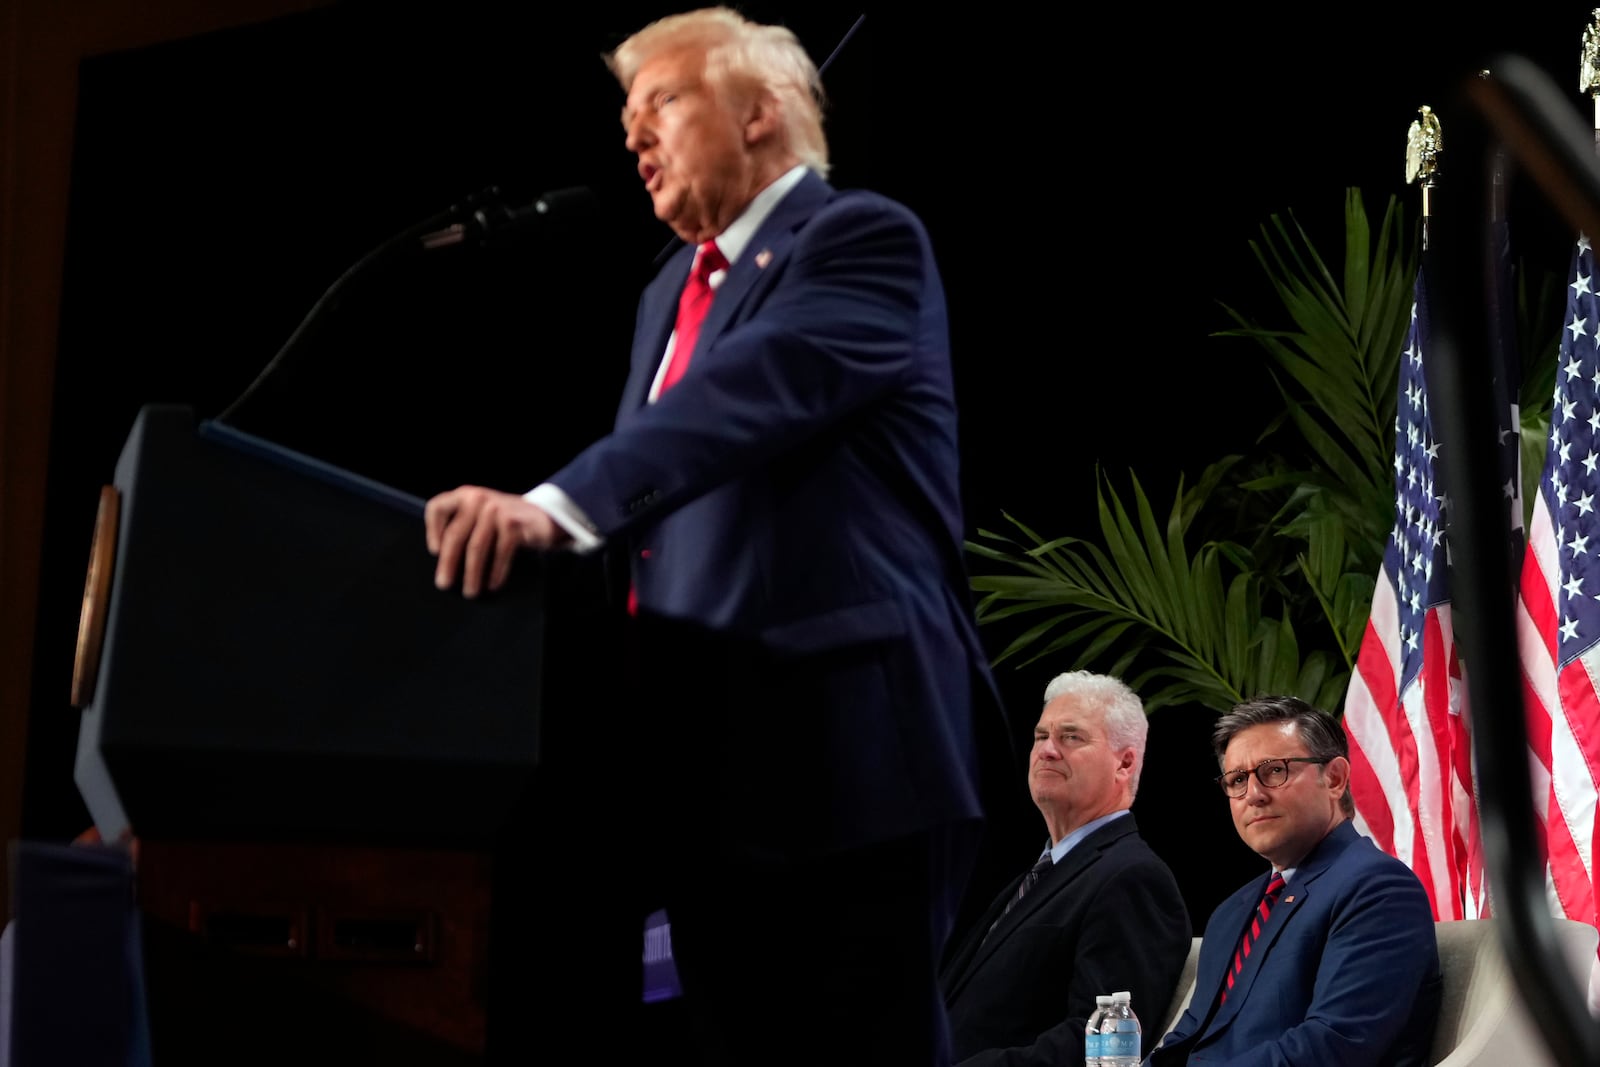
(1257, 921)
(1029, 880)
(692, 307)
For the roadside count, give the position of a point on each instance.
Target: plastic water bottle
(1092, 1044)
(1120, 1044)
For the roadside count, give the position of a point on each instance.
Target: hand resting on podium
(476, 532)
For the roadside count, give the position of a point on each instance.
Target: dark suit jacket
(1344, 974)
(795, 497)
(1107, 917)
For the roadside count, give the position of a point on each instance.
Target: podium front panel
(278, 663)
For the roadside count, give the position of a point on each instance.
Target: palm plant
(1337, 371)
(1225, 622)
(1143, 598)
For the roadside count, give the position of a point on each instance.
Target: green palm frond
(1192, 623)
(1343, 354)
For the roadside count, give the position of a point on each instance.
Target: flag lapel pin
(763, 257)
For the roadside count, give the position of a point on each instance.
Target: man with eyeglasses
(1329, 959)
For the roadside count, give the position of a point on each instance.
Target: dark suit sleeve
(1181, 1032)
(839, 329)
(1135, 936)
(1218, 940)
(1379, 955)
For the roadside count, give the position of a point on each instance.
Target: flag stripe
(1406, 709)
(1375, 778)
(1558, 622)
(1411, 765)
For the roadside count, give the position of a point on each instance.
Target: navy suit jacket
(796, 494)
(1344, 974)
(1108, 917)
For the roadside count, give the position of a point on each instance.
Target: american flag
(1405, 709)
(1558, 618)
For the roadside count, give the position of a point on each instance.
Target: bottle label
(1092, 1046)
(1123, 1043)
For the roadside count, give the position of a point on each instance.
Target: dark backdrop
(1090, 184)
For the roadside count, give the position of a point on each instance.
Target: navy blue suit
(796, 493)
(810, 661)
(1345, 972)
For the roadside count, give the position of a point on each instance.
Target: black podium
(277, 663)
(331, 767)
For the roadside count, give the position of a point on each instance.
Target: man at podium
(799, 756)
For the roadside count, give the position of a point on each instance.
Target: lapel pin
(763, 257)
(1289, 899)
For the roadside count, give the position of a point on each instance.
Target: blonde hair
(745, 56)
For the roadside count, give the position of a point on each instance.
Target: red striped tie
(1264, 909)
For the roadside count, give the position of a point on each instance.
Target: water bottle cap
(1102, 1001)
(1122, 997)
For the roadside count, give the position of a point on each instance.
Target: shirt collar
(1065, 845)
(732, 241)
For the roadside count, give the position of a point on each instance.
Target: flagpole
(1520, 107)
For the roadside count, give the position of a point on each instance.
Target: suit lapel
(1217, 1014)
(1072, 866)
(1282, 913)
(964, 963)
(767, 251)
(658, 313)
(1236, 919)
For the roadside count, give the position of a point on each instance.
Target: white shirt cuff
(553, 501)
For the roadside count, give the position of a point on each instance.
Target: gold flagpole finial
(1589, 66)
(1589, 61)
(1424, 143)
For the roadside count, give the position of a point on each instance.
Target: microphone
(494, 223)
(482, 219)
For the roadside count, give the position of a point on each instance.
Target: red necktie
(693, 304)
(1257, 921)
(692, 307)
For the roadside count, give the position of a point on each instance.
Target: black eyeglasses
(1269, 772)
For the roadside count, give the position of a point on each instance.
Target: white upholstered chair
(1180, 996)
(1481, 1020)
